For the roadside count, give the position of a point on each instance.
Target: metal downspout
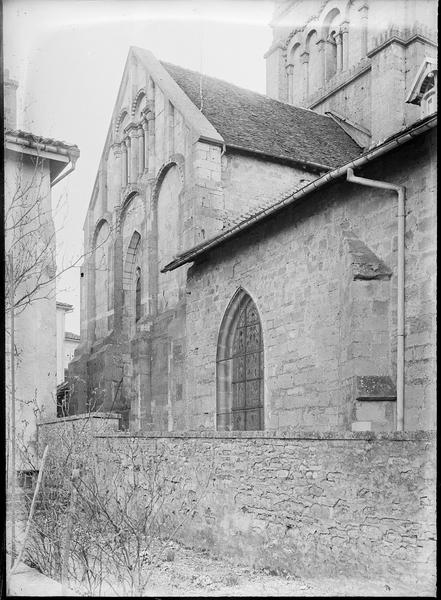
(400, 283)
(62, 175)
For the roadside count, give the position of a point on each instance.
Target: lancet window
(240, 389)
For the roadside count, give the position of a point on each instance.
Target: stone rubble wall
(314, 504)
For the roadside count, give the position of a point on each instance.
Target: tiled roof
(64, 305)
(378, 150)
(38, 139)
(258, 123)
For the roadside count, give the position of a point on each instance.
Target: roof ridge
(265, 96)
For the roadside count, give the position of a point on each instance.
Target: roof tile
(259, 123)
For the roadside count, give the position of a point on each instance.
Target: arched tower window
(137, 294)
(240, 393)
(333, 47)
(331, 55)
(295, 77)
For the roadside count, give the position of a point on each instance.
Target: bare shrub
(116, 516)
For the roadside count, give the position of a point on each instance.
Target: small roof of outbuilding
(71, 336)
(64, 306)
(33, 139)
(258, 123)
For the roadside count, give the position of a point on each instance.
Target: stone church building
(264, 262)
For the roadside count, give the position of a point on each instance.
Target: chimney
(10, 101)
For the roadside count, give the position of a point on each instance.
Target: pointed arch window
(240, 391)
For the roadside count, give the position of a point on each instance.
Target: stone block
(361, 426)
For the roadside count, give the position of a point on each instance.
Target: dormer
(423, 91)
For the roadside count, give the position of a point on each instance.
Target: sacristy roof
(405, 135)
(257, 123)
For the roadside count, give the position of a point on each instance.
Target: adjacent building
(33, 165)
(268, 262)
(66, 341)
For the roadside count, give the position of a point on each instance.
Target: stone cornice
(319, 436)
(400, 39)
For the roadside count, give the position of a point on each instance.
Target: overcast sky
(68, 57)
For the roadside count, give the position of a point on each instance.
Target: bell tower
(355, 60)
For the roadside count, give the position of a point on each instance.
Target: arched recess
(132, 227)
(139, 103)
(314, 66)
(121, 121)
(167, 207)
(132, 283)
(239, 367)
(132, 215)
(295, 75)
(101, 242)
(123, 141)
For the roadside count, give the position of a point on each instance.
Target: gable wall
(249, 182)
(188, 191)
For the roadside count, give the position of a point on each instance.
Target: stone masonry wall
(316, 504)
(352, 101)
(292, 266)
(186, 191)
(249, 183)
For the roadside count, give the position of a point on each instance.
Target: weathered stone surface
(364, 263)
(150, 201)
(314, 504)
(322, 273)
(321, 328)
(363, 80)
(375, 387)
